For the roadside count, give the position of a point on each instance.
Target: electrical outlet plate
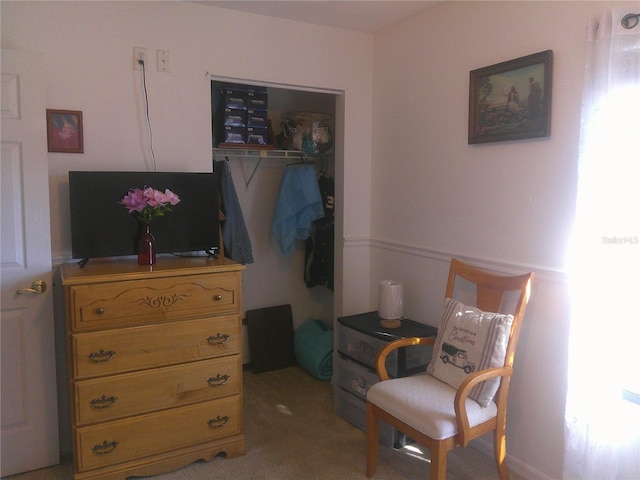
(139, 53)
(163, 60)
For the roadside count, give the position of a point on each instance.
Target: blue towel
(299, 205)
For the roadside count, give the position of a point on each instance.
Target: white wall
(88, 52)
(508, 205)
(88, 66)
(410, 191)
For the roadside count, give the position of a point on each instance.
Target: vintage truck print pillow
(470, 340)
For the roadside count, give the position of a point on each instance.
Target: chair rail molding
(543, 273)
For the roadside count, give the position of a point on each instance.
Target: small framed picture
(511, 100)
(64, 131)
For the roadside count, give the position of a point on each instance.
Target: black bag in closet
(319, 246)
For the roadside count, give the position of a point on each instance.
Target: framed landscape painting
(511, 100)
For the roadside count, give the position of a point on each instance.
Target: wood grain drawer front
(133, 438)
(134, 348)
(134, 302)
(120, 396)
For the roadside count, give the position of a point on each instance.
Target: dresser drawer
(134, 348)
(129, 394)
(134, 438)
(135, 302)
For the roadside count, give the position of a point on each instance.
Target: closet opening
(257, 170)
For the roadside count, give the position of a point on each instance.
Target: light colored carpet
(293, 433)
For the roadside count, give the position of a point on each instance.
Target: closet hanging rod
(256, 154)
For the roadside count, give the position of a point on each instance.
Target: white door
(28, 399)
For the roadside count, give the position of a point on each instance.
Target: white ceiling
(360, 15)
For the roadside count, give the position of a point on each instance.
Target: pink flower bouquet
(149, 203)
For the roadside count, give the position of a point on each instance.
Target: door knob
(39, 286)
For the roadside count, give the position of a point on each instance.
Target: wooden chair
(435, 414)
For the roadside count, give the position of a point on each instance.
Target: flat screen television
(102, 227)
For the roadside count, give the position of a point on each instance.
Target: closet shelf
(258, 154)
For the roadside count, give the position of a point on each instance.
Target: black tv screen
(102, 227)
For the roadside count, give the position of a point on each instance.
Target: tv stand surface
(155, 364)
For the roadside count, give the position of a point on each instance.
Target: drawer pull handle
(103, 402)
(217, 298)
(101, 356)
(219, 421)
(218, 339)
(218, 380)
(100, 311)
(104, 448)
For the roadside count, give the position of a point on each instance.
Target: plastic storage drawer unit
(354, 378)
(360, 338)
(354, 410)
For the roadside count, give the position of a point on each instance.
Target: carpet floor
(293, 433)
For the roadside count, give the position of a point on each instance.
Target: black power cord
(146, 103)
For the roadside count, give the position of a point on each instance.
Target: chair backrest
(490, 293)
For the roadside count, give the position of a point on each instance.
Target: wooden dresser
(155, 364)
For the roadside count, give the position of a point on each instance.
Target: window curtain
(602, 424)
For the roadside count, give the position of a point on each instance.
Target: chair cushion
(470, 340)
(426, 403)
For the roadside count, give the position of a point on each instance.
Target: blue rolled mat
(313, 344)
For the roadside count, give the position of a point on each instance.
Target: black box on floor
(271, 338)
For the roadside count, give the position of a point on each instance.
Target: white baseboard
(515, 466)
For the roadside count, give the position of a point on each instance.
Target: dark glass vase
(146, 246)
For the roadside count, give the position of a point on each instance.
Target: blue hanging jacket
(299, 205)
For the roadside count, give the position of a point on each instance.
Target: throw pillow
(470, 340)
